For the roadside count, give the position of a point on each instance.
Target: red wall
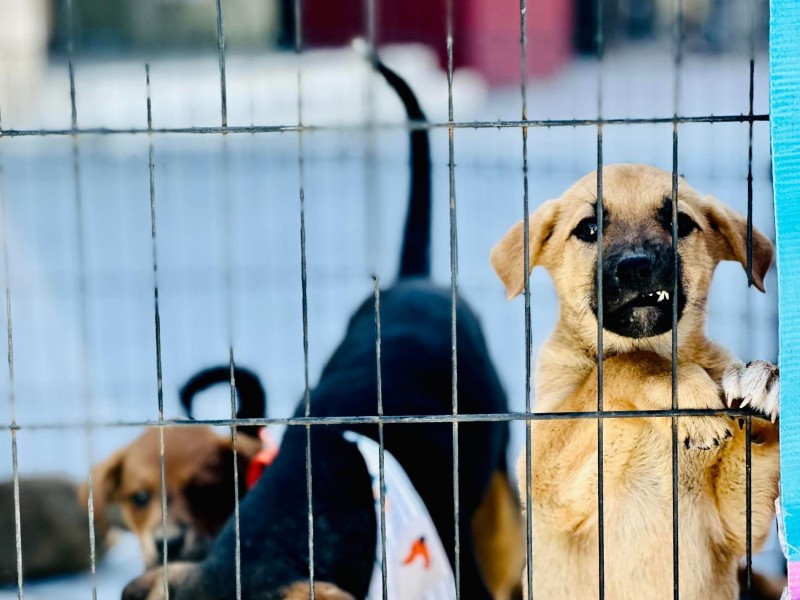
(486, 32)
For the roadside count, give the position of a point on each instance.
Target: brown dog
(637, 277)
(198, 471)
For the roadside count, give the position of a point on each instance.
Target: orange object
(419, 548)
(262, 459)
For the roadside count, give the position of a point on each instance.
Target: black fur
(415, 255)
(249, 392)
(632, 277)
(416, 380)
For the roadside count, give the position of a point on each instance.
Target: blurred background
(80, 269)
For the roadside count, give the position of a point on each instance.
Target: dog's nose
(635, 270)
(174, 544)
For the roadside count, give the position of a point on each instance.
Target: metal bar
(600, 212)
(223, 87)
(157, 323)
(371, 186)
(226, 218)
(381, 477)
(12, 400)
(237, 524)
(599, 291)
(748, 456)
(83, 317)
(678, 40)
(232, 366)
(298, 46)
(453, 293)
(498, 124)
(526, 260)
(675, 513)
(400, 419)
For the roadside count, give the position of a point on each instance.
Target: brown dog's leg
(730, 484)
(499, 533)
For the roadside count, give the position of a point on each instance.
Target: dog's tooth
(662, 295)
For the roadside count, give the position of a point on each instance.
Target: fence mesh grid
(75, 131)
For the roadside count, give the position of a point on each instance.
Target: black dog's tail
(252, 397)
(415, 258)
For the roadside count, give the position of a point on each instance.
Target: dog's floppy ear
(246, 447)
(730, 229)
(106, 479)
(507, 257)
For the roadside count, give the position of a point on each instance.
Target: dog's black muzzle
(638, 287)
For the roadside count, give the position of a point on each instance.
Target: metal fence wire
(523, 124)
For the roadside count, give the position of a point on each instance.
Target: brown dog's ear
(322, 590)
(246, 447)
(731, 239)
(106, 479)
(507, 257)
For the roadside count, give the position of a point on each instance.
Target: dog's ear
(106, 479)
(507, 257)
(322, 590)
(246, 447)
(730, 239)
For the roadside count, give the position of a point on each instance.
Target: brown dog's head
(199, 475)
(638, 263)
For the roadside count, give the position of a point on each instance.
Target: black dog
(416, 380)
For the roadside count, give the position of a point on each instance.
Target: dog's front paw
(703, 433)
(755, 384)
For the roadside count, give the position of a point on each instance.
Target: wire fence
(452, 126)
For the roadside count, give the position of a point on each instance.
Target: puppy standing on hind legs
(638, 280)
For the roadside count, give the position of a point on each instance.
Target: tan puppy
(198, 472)
(198, 469)
(637, 277)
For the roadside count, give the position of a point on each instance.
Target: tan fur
(193, 454)
(499, 534)
(322, 591)
(637, 375)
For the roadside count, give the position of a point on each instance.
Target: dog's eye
(586, 231)
(140, 499)
(685, 225)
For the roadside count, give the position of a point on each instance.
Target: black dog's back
(416, 379)
(416, 375)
